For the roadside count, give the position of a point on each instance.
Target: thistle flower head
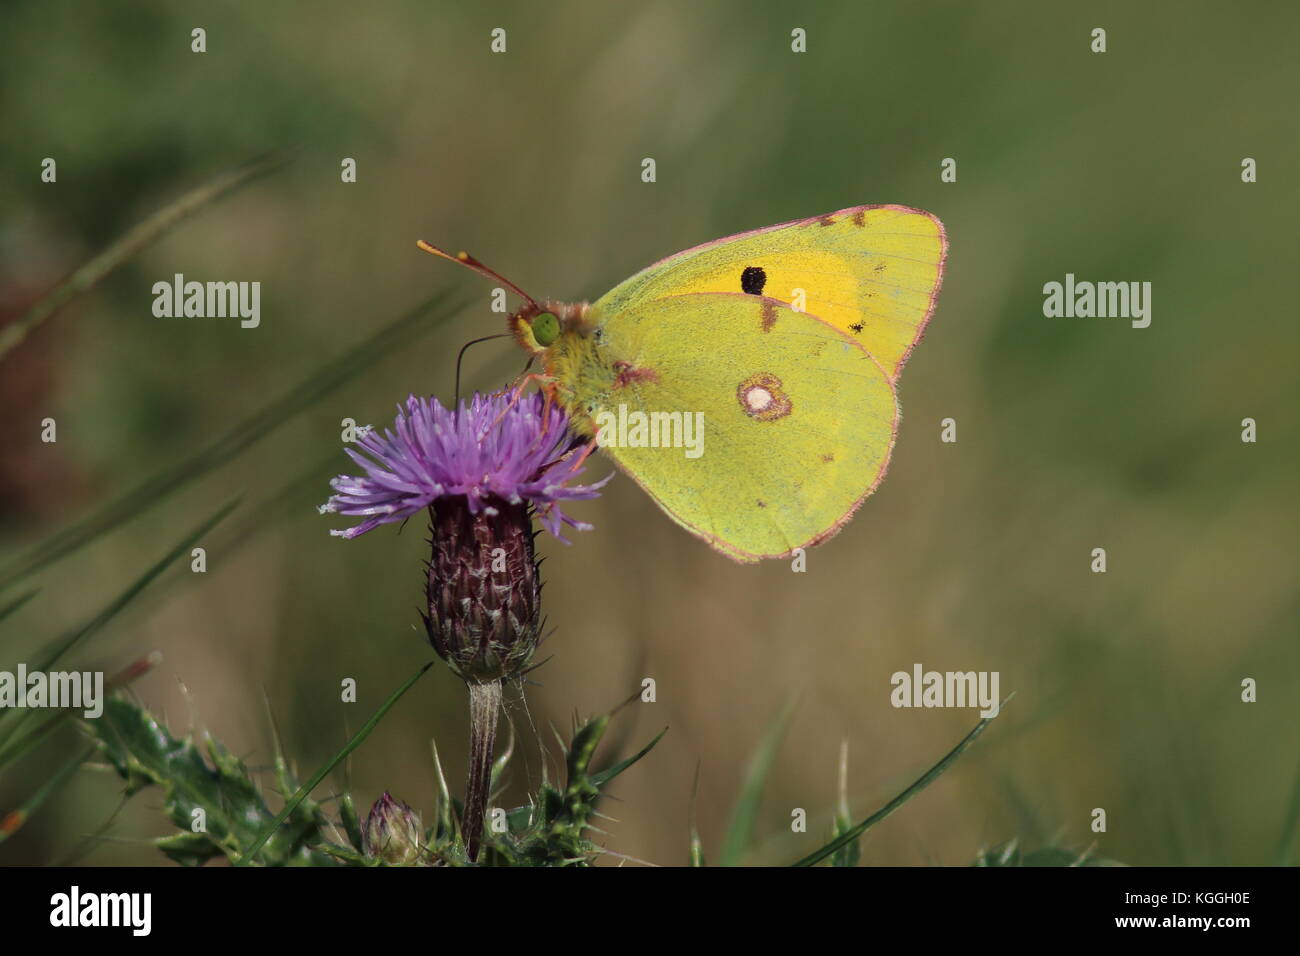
(482, 475)
(499, 448)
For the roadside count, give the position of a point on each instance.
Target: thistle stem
(484, 705)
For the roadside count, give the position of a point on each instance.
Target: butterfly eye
(546, 329)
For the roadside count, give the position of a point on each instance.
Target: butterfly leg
(548, 388)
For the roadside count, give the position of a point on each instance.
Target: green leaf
(583, 747)
(351, 823)
(145, 754)
(608, 774)
(920, 784)
(553, 829)
(743, 817)
(188, 849)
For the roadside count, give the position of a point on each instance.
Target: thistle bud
(392, 833)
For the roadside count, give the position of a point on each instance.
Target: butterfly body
(773, 354)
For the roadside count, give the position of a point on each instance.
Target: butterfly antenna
(460, 357)
(465, 259)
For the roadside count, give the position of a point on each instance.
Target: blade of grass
(329, 765)
(76, 636)
(13, 821)
(316, 386)
(847, 855)
(745, 814)
(115, 606)
(445, 824)
(18, 602)
(1289, 826)
(696, 850)
(133, 241)
(927, 778)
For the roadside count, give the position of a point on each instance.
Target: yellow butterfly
(749, 384)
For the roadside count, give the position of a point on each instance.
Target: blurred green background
(1072, 433)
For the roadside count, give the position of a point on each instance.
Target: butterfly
(782, 346)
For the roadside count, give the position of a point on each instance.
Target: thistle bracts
(392, 834)
(483, 589)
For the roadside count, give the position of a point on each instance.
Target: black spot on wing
(752, 280)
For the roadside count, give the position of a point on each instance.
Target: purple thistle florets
(501, 447)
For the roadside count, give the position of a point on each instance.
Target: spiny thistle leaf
(551, 831)
(14, 746)
(609, 773)
(351, 822)
(145, 754)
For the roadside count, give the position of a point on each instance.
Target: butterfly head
(537, 327)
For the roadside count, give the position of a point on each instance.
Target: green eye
(546, 329)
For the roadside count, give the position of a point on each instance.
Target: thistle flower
(482, 472)
(499, 449)
(392, 833)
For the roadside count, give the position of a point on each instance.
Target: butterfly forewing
(872, 272)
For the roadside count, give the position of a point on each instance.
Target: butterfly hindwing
(798, 419)
(873, 272)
